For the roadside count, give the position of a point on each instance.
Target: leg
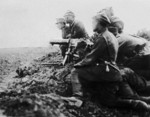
(144, 73)
(76, 85)
(133, 104)
(130, 98)
(145, 91)
(136, 82)
(63, 49)
(141, 65)
(126, 92)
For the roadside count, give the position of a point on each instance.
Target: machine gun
(70, 43)
(71, 54)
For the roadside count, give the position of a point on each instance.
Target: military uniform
(77, 30)
(99, 53)
(128, 44)
(138, 50)
(141, 65)
(93, 68)
(111, 90)
(65, 32)
(98, 71)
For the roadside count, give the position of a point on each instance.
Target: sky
(31, 23)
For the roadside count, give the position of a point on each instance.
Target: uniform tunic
(129, 43)
(65, 32)
(77, 30)
(100, 49)
(138, 50)
(89, 73)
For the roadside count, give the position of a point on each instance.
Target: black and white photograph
(74, 58)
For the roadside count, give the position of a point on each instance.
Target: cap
(102, 17)
(69, 13)
(108, 11)
(116, 22)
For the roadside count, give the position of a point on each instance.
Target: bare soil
(44, 92)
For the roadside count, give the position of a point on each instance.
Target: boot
(76, 98)
(140, 105)
(77, 91)
(145, 99)
(125, 91)
(133, 104)
(76, 85)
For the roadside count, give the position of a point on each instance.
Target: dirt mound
(44, 94)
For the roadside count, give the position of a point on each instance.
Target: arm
(65, 32)
(78, 31)
(94, 54)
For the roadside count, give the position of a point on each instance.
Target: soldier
(130, 45)
(89, 67)
(77, 29)
(134, 52)
(99, 68)
(61, 24)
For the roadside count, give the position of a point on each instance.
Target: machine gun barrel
(59, 42)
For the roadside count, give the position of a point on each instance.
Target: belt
(107, 63)
(112, 65)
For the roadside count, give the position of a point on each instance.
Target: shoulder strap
(111, 63)
(108, 52)
(72, 26)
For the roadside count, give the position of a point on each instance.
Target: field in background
(11, 58)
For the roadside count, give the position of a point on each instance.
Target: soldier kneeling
(99, 68)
